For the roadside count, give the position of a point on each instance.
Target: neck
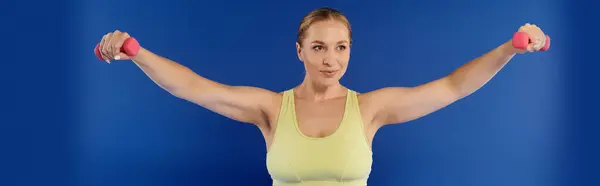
(318, 92)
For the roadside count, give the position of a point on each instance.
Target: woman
(320, 132)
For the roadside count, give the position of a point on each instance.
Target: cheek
(311, 68)
(312, 59)
(344, 60)
(309, 62)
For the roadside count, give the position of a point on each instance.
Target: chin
(330, 81)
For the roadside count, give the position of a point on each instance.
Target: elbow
(182, 89)
(460, 92)
(185, 84)
(178, 92)
(198, 90)
(457, 89)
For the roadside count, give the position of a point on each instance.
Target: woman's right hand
(110, 46)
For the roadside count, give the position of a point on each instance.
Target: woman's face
(325, 51)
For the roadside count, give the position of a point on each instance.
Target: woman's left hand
(536, 35)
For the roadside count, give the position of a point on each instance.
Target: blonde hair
(321, 14)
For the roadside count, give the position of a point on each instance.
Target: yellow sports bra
(343, 158)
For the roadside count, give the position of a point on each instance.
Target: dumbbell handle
(130, 47)
(521, 40)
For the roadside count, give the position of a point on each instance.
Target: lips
(329, 73)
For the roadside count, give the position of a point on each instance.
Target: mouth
(329, 73)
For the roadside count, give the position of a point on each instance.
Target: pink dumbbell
(520, 40)
(131, 47)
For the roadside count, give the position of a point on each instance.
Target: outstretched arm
(240, 103)
(401, 104)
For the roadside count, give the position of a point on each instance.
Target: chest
(319, 119)
(346, 162)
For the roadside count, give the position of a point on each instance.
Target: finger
(105, 48)
(541, 42)
(122, 56)
(531, 47)
(114, 48)
(101, 45)
(543, 38)
(108, 46)
(118, 43)
(535, 43)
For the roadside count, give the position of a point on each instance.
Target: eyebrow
(339, 42)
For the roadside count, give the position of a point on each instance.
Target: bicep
(241, 103)
(403, 104)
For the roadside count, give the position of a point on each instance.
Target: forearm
(168, 74)
(476, 73)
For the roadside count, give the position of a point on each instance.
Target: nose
(329, 58)
(327, 61)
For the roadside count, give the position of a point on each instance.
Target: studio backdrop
(112, 125)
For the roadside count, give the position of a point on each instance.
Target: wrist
(508, 49)
(141, 54)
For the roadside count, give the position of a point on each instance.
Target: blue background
(69, 119)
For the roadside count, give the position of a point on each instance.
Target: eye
(341, 47)
(317, 47)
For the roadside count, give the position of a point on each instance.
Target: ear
(299, 51)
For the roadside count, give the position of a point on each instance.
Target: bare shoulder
(272, 103)
(250, 104)
(372, 102)
(394, 105)
(375, 98)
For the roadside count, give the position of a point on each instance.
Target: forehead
(329, 31)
